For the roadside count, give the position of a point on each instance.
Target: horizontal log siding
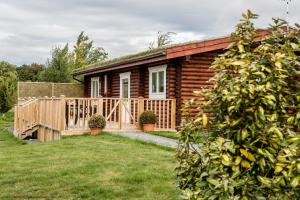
(171, 80)
(195, 74)
(87, 86)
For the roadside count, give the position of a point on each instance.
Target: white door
(125, 94)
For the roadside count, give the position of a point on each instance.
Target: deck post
(141, 107)
(62, 115)
(120, 113)
(173, 114)
(16, 123)
(100, 105)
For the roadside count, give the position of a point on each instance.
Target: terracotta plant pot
(96, 131)
(148, 127)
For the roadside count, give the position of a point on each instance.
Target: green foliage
(97, 121)
(29, 72)
(162, 39)
(8, 86)
(147, 117)
(85, 53)
(7, 118)
(59, 67)
(253, 152)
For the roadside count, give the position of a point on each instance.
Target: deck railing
(67, 115)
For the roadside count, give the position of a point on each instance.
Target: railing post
(16, 121)
(141, 107)
(100, 105)
(120, 113)
(173, 114)
(62, 115)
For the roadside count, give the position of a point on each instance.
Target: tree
(8, 86)
(29, 72)
(58, 67)
(252, 148)
(85, 53)
(162, 39)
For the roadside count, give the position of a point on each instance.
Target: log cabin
(169, 72)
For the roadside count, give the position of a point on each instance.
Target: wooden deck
(56, 117)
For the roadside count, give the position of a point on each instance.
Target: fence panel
(42, 89)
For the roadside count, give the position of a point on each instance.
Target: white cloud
(30, 29)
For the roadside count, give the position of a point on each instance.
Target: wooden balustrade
(165, 110)
(57, 115)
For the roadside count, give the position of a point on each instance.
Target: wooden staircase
(29, 119)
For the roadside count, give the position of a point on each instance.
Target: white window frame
(124, 76)
(95, 79)
(105, 84)
(157, 69)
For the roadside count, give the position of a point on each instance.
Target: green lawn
(85, 167)
(168, 134)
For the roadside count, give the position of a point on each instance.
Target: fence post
(141, 107)
(52, 89)
(62, 114)
(173, 114)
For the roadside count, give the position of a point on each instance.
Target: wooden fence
(64, 116)
(41, 89)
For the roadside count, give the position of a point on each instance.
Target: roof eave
(157, 56)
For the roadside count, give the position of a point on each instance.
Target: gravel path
(149, 138)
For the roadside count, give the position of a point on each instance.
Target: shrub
(97, 121)
(253, 151)
(147, 117)
(8, 86)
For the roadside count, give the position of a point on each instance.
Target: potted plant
(96, 124)
(147, 120)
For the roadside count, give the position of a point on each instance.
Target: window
(157, 83)
(125, 88)
(95, 91)
(105, 84)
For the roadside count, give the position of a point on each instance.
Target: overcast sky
(29, 29)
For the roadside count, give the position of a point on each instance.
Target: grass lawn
(85, 167)
(168, 134)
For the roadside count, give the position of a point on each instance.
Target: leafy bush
(253, 149)
(8, 86)
(147, 117)
(97, 121)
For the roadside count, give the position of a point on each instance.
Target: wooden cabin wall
(113, 83)
(195, 73)
(87, 86)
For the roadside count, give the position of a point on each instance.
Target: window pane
(93, 89)
(125, 88)
(154, 82)
(161, 80)
(97, 89)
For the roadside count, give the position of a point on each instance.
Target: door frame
(125, 115)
